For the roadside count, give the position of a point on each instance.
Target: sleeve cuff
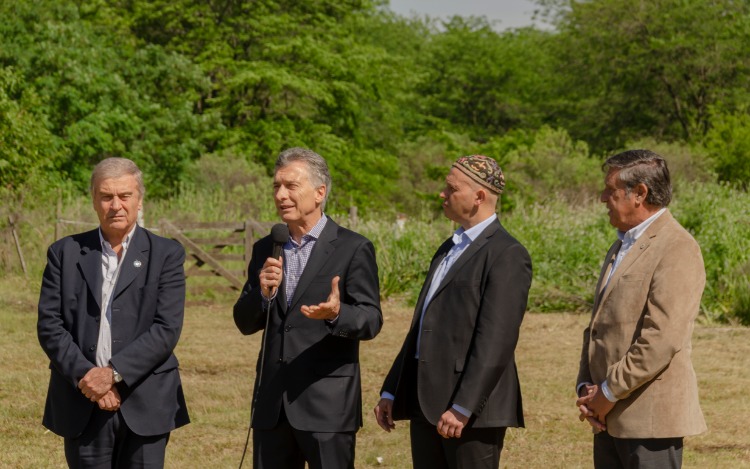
(268, 300)
(607, 392)
(387, 395)
(461, 410)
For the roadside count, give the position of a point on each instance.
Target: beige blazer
(639, 335)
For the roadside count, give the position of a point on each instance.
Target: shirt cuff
(461, 410)
(607, 392)
(578, 388)
(332, 322)
(268, 300)
(387, 395)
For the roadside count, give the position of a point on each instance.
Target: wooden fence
(217, 249)
(220, 249)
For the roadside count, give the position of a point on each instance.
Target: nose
(116, 203)
(603, 197)
(281, 193)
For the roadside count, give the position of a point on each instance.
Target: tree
(650, 68)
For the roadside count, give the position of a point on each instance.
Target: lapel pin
(137, 263)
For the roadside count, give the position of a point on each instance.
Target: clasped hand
(98, 386)
(593, 407)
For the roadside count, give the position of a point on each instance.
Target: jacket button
(92, 348)
(287, 328)
(280, 360)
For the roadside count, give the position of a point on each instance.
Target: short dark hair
(643, 166)
(317, 166)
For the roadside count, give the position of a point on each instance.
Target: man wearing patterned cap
(455, 377)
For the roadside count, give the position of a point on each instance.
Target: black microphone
(279, 236)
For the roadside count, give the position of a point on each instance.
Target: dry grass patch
(217, 367)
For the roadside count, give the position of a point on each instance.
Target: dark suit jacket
(309, 367)
(469, 334)
(147, 312)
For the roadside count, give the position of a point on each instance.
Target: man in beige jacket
(636, 384)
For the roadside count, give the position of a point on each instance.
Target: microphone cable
(260, 377)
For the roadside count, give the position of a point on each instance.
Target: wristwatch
(117, 377)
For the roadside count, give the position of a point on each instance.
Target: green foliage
(728, 142)
(567, 243)
(98, 95)
(204, 95)
(482, 82)
(553, 166)
(26, 147)
(718, 215)
(652, 68)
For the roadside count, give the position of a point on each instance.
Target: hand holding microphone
(273, 271)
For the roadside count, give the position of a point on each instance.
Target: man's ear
(320, 194)
(480, 196)
(641, 192)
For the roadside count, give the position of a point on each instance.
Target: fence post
(58, 214)
(18, 244)
(248, 246)
(353, 217)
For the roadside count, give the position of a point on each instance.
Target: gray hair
(316, 166)
(114, 168)
(646, 167)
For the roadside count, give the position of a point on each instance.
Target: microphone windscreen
(279, 236)
(279, 233)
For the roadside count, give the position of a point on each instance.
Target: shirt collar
(125, 240)
(473, 232)
(634, 233)
(314, 233)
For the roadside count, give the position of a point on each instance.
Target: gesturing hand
(330, 308)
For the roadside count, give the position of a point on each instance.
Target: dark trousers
(478, 448)
(284, 447)
(636, 453)
(108, 443)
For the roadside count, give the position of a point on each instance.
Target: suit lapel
(436, 260)
(91, 265)
(320, 254)
(641, 245)
(135, 261)
(468, 253)
(609, 260)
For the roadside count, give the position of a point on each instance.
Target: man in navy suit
(455, 378)
(110, 314)
(315, 303)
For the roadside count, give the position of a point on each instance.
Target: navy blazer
(309, 367)
(469, 335)
(148, 305)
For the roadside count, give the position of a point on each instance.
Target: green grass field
(216, 362)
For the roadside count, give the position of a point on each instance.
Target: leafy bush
(728, 142)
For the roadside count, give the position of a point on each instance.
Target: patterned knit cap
(483, 170)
